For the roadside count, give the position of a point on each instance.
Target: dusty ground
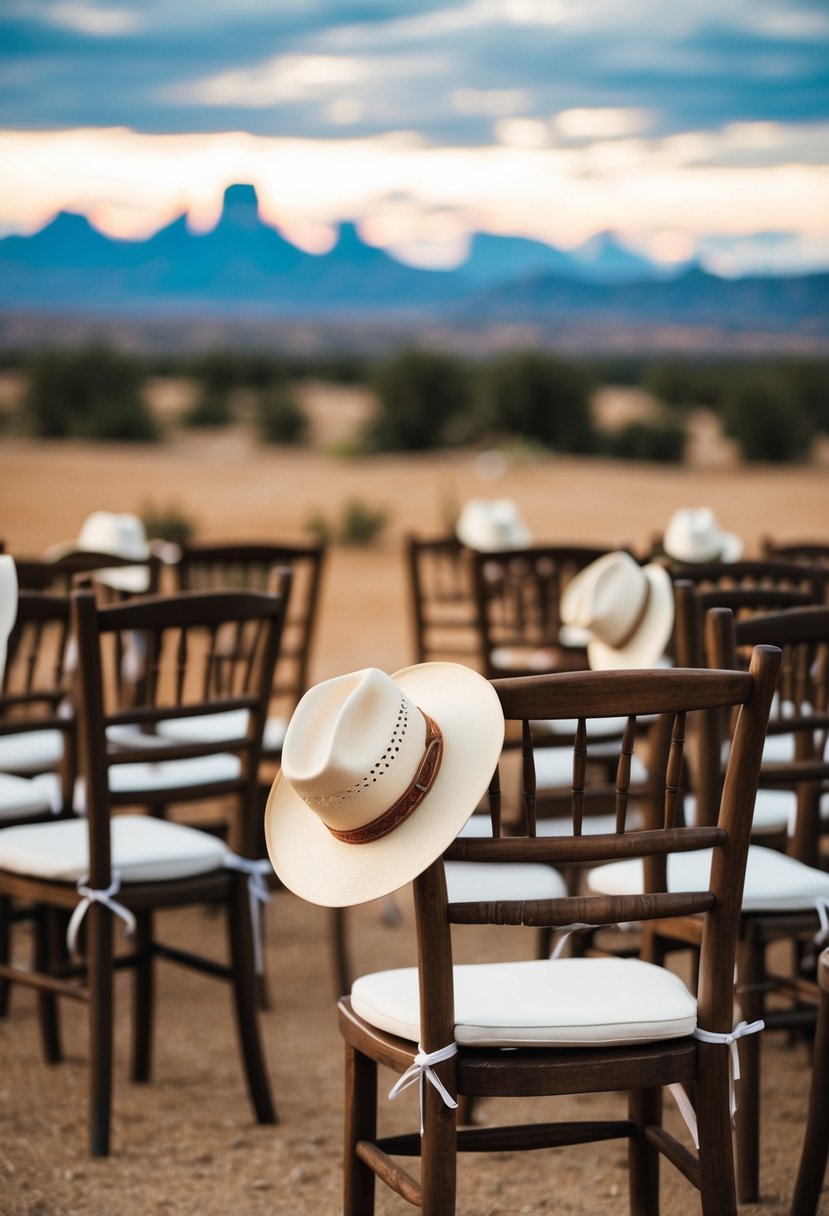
(185, 1143)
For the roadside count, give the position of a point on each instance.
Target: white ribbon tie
(420, 1068)
(105, 897)
(258, 893)
(730, 1040)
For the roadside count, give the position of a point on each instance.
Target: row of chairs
(142, 701)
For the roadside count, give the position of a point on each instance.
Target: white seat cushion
(214, 728)
(174, 774)
(471, 881)
(774, 882)
(34, 751)
(544, 1003)
(143, 849)
(21, 797)
(554, 765)
(591, 825)
(774, 811)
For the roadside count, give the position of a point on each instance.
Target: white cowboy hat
(8, 605)
(490, 524)
(693, 535)
(627, 609)
(379, 774)
(120, 534)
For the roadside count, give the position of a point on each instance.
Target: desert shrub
(421, 393)
(538, 397)
(807, 382)
(279, 416)
(359, 523)
(170, 523)
(94, 393)
(217, 377)
(662, 443)
(767, 422)
(675, 382)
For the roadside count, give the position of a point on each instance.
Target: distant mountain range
(246, 268)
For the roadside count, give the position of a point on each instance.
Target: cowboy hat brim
(314, 864)
(647, 646)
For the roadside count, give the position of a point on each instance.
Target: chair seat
(213, 728)
(774, 812)
(21, 797)
(143, 850)
(34, 751)
(471, 881)
(541, 1003)
(774, 882)
(174, 774)
(554, 765)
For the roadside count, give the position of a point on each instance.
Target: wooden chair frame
(812, 1168)
(643, 1070)
(92, 982)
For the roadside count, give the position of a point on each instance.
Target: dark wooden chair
(59, 574)
(495, 1030)
(693, 602)
(517, 596)
(441, 600)
(782, 897)
(131, 866)
(810, 1174)
(810, 552)
(236, 565)
(759, 573)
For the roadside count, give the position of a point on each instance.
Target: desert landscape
(186, 1143)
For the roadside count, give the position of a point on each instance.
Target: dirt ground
(186, 1143)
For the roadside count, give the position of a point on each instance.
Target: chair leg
(5, 952)
(339, 951)
(716, 1154)
(360, 1124)
(100, 972)
(244, 997)
(645, 1109)
(47, 951)
(810, 1175)
(750, 972)
(439, 1158)
(143, 997)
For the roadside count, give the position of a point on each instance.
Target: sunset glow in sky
(702, 130)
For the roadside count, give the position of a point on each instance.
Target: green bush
(279, 416)
(168, 523)
(661, 443)
(421, 394)
(768, 423)
(538, 397)
(360, 523)
(95, 393)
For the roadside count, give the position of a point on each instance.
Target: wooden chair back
(155, 659)
(441, 600)
(35, 694)
(810, 552)
(517, 596)
(672, 695)
(800, 709)
(59, 575)
(242, 566)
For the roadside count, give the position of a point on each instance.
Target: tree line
(428, 399)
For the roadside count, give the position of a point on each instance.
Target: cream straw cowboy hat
(379, 774)
(8, 605)
(627, 609)
(490, 524)
(693, 535)
(120, 534)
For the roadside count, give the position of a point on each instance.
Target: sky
(695, 129)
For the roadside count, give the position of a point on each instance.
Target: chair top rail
(188, 609)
